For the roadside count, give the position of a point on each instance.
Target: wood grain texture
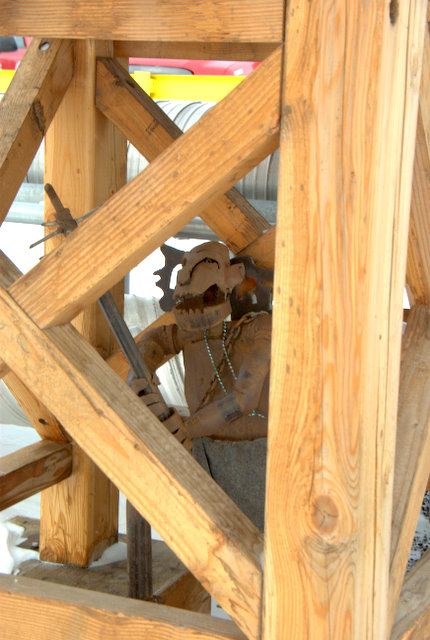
(256, 51)
(27, 109)
(151, 131)
(85, 161)
(412, 620)
(346, 156)
(262, 250)
(412, 446)
(46, 425)
(201, 525)
(29, 470)
(418, 264)
(184, 592)
(37, 610)
(152, 20)
(223, 145)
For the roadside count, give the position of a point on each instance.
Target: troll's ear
(236, 274)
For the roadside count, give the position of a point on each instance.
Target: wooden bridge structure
(343, 89)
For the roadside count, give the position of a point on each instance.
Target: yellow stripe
(6, 76)
(169, 87)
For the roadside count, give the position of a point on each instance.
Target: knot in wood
(325, 514)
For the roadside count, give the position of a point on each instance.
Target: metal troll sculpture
(226, 374)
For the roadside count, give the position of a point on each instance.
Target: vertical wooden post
(85, 160)
(351, 81)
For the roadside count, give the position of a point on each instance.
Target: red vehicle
(192, 67)
(12, 48)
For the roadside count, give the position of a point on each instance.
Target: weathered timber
(38, 610)
(418, 264)
(151, 131)
(33, 468)
(227, 141)
(412, 621)
(262, 250)
(351, 82)
(152, 20)
(41, 418)
(201, 525)
(46, 424)
(85, 161)
(184, 592)
(412, 446)
(173, 584)
(256, 51)
(27, 109)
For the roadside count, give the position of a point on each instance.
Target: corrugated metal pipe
(259, 186)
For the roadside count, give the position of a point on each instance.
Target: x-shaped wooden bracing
(42, 353)
(230, 542)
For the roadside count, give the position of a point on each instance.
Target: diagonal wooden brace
(205, 529)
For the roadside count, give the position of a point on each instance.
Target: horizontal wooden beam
(231, 138)
(411, 469)
(151, 131)
(412, 620)
(39, 610)
(197, 520)
(255, 51)
(27, 109)
(152, 20)
(33, 468)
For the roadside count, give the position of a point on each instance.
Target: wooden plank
(27, 109)
(213, 155)
(201, 525)
(151, 131)
(346, 157)
(41, 418)
(412, 620)
(85, 161)
(33, 468)
(38, 610)
(45, 423)
(152, 20)
(262, 250)
(184, 592)
(412, 446)
(255, 51)
(418, 264)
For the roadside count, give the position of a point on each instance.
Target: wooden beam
(27, 109)
(255, 51)
(346, 159)
(418, 265)
(33, 468)
(46, 425)
(262, 250)
(197, 520)
(225, 144)
(412, 620)
(151, 131)
(412, 446)
(184, 592)
(85, 160)
(39, 610)
(152, 20)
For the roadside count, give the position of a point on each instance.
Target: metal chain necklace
(227, 359)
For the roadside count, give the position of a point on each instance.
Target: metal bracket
(64, 220)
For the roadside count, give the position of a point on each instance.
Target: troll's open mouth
(209, 298)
